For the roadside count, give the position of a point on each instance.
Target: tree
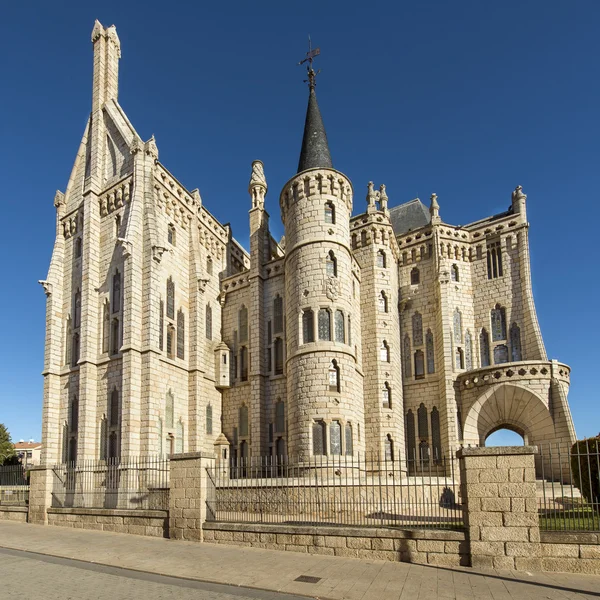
(7, 450)
(586, 469)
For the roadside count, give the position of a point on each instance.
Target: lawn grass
(580, 519)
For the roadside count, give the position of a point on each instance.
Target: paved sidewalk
(339, 578)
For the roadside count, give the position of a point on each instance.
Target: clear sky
(466, 99)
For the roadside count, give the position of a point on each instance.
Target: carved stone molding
(157, 252)
(47, 286)
(332, 288)
(126, 245)
(202, 283)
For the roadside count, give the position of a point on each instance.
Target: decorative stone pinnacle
(257, 187)
(518, 194)
(152, 148)
(97, 31)
(59, 199)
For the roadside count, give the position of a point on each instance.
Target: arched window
(113, 445)
(243, 324)
(170, 298)
(116, 292)
(349, 330)
(468, 351)
(384, 352)
(105, 327)
(243, 416)
(500, 354)
(329, 213)
(324, 325)
(494, 260)
(117, 226)
(417, 328)
(419, 364)
(457, 324)
(334, 376)
(459, 358)
(115, 337)
(208, 322)
(318, 433)
(209, 265)
(406, 356)
(389, 448)
(77, 309)
(114, 408)
(386, 396)
(74, 416)
(454, 272)
(171, 234)
(244, 363)
(278, 356)
(349, 440)
(103, 438)
(363, 238)
(415, 276)
(331, 264)
(335, 438)
(308, 326)
(280, 449)
(339, 326)
(430, 351)
(383, 302)
(424, 452)
(436, 438)
(278, 314)
(75, 350)
(180, 334)
(354, 241)
(279, 417)
(78, 247)
(209, 420)
(498, 323)
(169, 410)
(411, 448)
(515, 343)
(381, 262)
(413, 255)
(484, 348)
(170, 341)
(179, 438)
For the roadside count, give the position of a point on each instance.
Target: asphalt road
(25, 575)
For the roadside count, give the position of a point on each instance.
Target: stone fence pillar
(40, 494)
(188, 493)
(501, 514)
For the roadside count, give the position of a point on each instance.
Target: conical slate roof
(315, 149)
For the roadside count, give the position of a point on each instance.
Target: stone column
(501, 516)
(40, 494)
(189, 483)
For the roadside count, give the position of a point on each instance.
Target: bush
(585, 464)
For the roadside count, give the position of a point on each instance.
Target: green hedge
(585, 463)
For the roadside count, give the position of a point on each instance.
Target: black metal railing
(337, 490)
(133, 483)
(14, 485)
(568, 496)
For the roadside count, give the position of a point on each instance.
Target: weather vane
(310, 56)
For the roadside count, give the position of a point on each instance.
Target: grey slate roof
(409, 216)
(315, 150)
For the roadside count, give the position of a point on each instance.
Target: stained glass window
(422, 422)
(339, 326)
(419, 364)
(161, 324)
(324, 325)
(500, 354)
(468, 351)
(170, 340)
(457, 323)
(417, 327)
(335, 438)
(331, 264)
(459, 358)
(349, 441)
(180, 334)
(308, 326)
(208, 322)
(106, 327)
(243, 324)
(318, 438)
(484, 348)
(170, 298)
(429, 349)
(278, 314)
(406, 356)
(329, 213)
(515, 343)
(494, 260)
(243, 420)
(334, 376)
(410, 435)
(436, 438)
(498, 323)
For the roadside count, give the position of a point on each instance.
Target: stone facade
(385, 333)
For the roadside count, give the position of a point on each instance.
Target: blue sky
(465, 99)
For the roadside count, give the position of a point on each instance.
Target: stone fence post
(501, 514)
(188, 494)
(40, 494)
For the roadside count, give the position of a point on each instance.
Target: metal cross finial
(310, 56)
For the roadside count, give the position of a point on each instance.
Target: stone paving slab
(340, 578)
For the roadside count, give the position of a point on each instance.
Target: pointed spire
(315, 149)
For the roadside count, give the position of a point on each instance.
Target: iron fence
(14, 485)
(140, 483)
(568, 491)
(340, 490)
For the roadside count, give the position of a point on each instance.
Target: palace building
(369, 329)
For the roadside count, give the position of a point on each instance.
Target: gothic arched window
(278, 314)
(384, 352)
(78, 247)
(386, 396)
(436, 438)
(417, 328)
(349, 330)
(500, 354)
(115, 337)
(484, 348)
(75, 350)
(171, 236)
(318, 434)
(279, 417)
(243, 324)
(208, 322)
(308, 326)
(335, 438)
(77, 309)
(383, 302)
(74, 416)
(170, 341)
(389, 447)
(406, 356)
(459, 358)
(244, 363)
(278, 344)
(324, 325)
(419, 364)
(161, 324)
(170, 298)
(209, 266)
(498, 323)
(381, 262)
(415, 276)
(116, 292)
(243, 416)
(331, 264)
(363, 238)
(113, 413)
(454, 272)
(457, 325)
(105, 327)
(180, 334)
(430, 351)
(339, 326)
(422, 422)
(349, 439)
(329, 213)
(209, 420)
(411, 448)
(515, 343)
(468, 351)
(334, 376)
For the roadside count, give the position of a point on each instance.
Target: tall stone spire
(315, 149)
